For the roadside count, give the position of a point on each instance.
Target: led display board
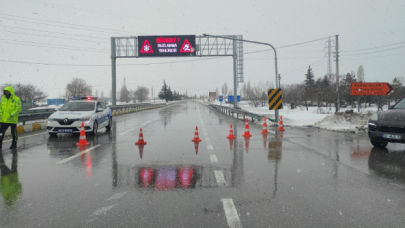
(166, 46)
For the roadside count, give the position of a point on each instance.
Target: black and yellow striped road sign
(275, 97)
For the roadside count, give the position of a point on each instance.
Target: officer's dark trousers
(3, 129)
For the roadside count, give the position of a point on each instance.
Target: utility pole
(279, 81)
(235, 73)
(114, 73)
(337, 74)
(329, 47)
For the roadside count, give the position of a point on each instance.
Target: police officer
(10, 107)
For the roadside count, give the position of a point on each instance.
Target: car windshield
(78, 106)
(400, 104)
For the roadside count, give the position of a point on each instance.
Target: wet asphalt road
(304, 177)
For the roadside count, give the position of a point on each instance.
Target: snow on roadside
(345, 122)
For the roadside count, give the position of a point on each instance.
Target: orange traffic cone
(264, 131)
(196, 138)
(82, 139)
(231, 136)
(140, 140)
(280, 125)
(247, 133)
(196, 148)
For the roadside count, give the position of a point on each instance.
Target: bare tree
(102, 94)
(257, 95)
(96, 93)
(360, 74)
(224, 89)
(29, 94)
(261, 92)
(124, 94)
(216, 93)
(141, 93)
(77, 87)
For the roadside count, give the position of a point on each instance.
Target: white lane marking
(117, 196)
(231, 213)
(208, 140)
(123, 133)
(209, 147)
(26, 136)
(146, 123)
(78, 154)
(220, 178)
(213, 159)
(103, 210)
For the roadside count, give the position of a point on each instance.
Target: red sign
(370, 89)
(186, 47)
(146, 47)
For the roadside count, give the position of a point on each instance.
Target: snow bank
(347, 120)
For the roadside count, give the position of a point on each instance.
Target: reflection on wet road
(300, 177)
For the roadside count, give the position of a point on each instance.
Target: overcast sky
(68, 34)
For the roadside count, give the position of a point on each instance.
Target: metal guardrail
(229, 111)
(122, 109)
(36, 114)
(41, 114)
(135, 105)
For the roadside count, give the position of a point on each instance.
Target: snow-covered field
(355, 122)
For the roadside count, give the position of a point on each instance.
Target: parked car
(388, 126)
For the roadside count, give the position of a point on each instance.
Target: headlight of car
(50, 120)
(86, 119)
(374, 117)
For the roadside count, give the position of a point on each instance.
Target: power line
(376, 57)
(299, 69)
(31, 34)
(376, 51)
(57, 22)
(95, 65)
(287, 46)
(108, 65)
(374, 47)
(302, 43)
(56, 45)
(61, 26)
(68, 34)
(120, 15)
(49, 46)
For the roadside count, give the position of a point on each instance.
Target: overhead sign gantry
(178, 46)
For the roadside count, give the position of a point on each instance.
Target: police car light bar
(84, 98)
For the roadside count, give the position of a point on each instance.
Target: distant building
(27, 105)
(56, 101)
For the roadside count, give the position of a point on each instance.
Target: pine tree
(170, 94)
(163, 94)
(124, 94)
(309, 85)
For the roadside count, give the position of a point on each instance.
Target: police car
(68, 119)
